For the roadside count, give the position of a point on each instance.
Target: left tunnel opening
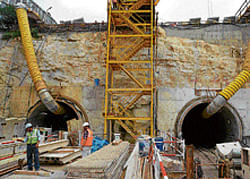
(40, 116)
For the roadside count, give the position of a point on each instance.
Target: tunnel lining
(73, 108)
(183, 115)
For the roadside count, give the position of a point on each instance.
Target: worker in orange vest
(86, 140)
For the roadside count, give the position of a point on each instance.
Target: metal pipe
(156, 2)
(31, 60)
(230, 90)
(190, 161)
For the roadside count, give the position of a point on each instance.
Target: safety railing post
(189, 161)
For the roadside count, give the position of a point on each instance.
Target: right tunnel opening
(222, 127)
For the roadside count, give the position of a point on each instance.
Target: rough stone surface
(71, 62)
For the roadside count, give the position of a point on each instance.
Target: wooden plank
(71, 157)
(8, 163)
(59, 151)
(3, 171)
(52, 145)
(61, 156)
(33, 173)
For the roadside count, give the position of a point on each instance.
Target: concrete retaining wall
(225, 34)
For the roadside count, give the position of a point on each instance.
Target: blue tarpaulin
(98, 143)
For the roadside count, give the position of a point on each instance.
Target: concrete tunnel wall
(172, 103)
(225, 34)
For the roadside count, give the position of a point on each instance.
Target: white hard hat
(85, 124)
(28, 125)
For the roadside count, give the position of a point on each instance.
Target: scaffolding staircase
(131, 31)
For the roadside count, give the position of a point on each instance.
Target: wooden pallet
(61, 156)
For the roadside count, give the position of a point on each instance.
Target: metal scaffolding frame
(131, 31)
(243, 14)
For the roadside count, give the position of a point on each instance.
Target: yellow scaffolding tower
(130, 53)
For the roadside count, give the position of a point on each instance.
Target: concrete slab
(105, 163)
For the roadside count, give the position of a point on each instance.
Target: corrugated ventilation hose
(231, 89)
(34, 70)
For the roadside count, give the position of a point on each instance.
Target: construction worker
(114, 4)
(32, 139)
(86, 140)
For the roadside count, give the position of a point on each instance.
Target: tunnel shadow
(224, 126)
(40, 116)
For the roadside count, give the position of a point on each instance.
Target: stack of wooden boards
(61, 156)
(11, 162)
(106, 163)
(11, 148)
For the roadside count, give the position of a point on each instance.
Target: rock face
(74, 60)
(182, 62)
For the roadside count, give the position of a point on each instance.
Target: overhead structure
(130, 54)
(243, 14)
(35, 12)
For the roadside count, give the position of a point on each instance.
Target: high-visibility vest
(89, 139)
(32, 137)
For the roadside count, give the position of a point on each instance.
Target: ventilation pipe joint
(214, 106)
(21, 6)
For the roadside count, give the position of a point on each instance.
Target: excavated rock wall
(71, 61)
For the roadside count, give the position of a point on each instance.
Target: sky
(169, 10)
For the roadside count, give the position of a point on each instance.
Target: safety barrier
(158, 164)
(174, 144)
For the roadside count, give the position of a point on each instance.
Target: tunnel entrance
(224, 126)
(40, 116)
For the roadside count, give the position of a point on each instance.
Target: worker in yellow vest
(32, 139)
(86, 140)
